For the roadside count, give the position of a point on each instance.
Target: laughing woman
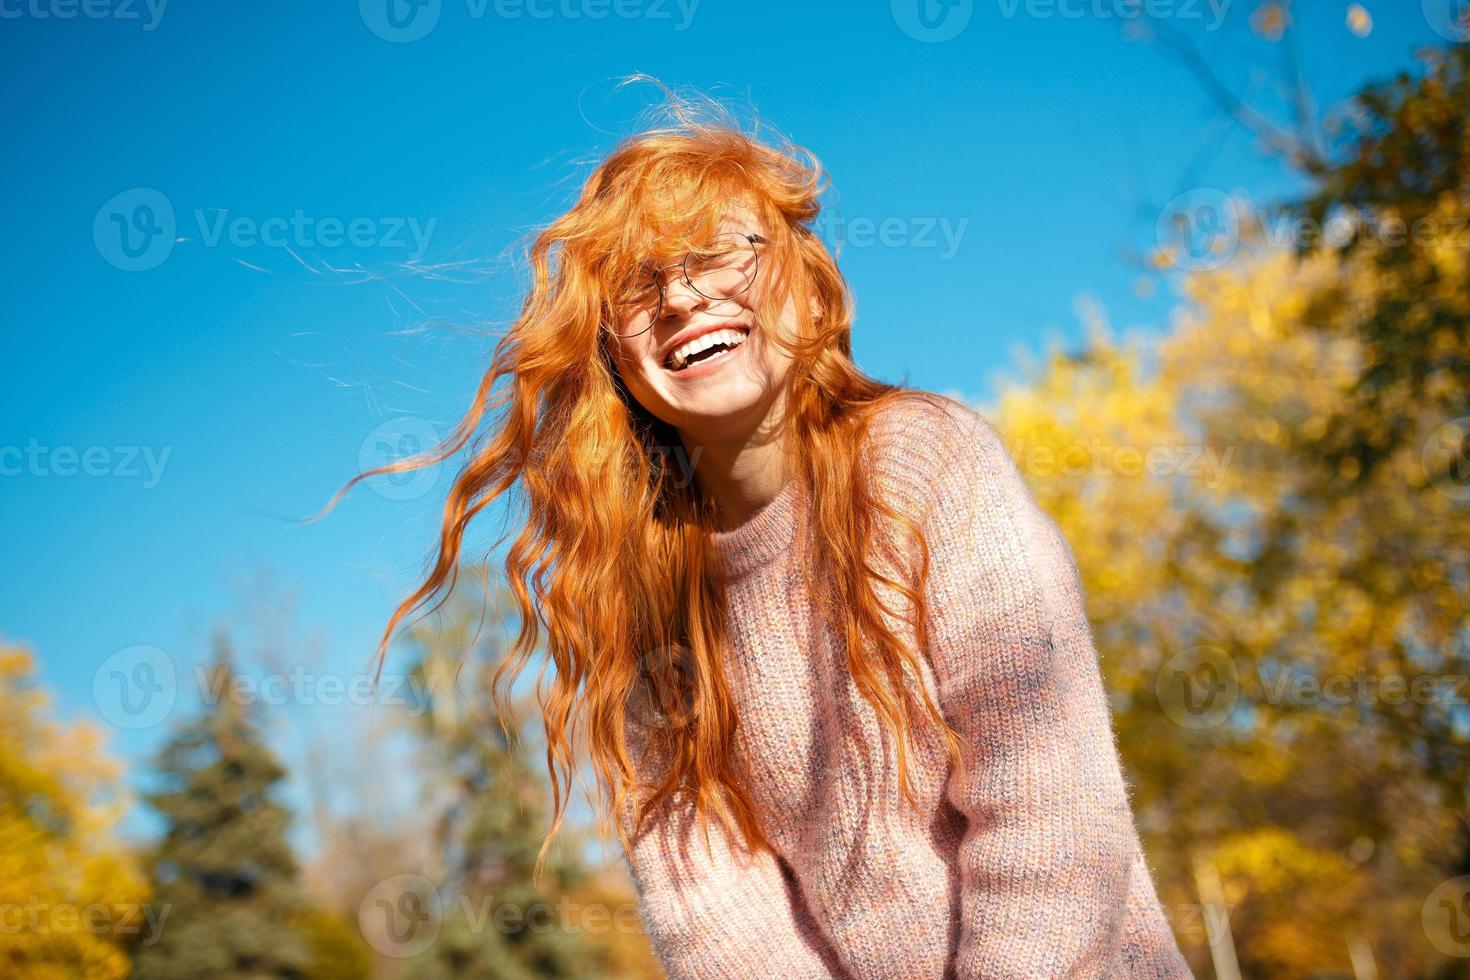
(829, 658)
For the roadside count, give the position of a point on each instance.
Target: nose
(682, 298)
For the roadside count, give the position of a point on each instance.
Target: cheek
(630, 353)
(635, 369)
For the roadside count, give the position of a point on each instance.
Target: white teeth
(679, 358)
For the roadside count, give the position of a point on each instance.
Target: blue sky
(170, 411)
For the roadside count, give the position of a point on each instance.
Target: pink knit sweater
(1030, 866)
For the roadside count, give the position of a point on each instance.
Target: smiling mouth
(712, 346)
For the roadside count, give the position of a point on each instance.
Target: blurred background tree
(1280, 594)
(224, 867)
(457, 898)
(495, 815)
(73, 897)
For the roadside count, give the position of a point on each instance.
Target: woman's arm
(1047, 858)
(718, 913)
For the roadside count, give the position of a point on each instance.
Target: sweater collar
(766, 533)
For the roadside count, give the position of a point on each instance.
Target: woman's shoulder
(952, 471)
(930, 451)
(919, 437)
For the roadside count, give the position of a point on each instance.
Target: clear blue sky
(235, 383)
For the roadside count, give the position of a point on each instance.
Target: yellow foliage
(70, 899)
(1315, 750)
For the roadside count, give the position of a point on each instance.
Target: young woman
(822, 610)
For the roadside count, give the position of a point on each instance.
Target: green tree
(224, 866)
(492, 918)
(1402, 184)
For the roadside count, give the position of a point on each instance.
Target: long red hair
(613, 559)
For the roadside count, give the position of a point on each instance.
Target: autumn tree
(71, 898)
(1268, 508)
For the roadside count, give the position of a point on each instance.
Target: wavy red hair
(613, 558)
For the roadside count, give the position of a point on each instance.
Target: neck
(741, 471)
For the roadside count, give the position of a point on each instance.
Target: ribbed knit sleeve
(717, 913)
(1050, 855)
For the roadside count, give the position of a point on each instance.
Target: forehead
(673, 230)
(739, 216)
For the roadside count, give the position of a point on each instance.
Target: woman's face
(711, 394)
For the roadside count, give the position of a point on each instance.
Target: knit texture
(1028, 866)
